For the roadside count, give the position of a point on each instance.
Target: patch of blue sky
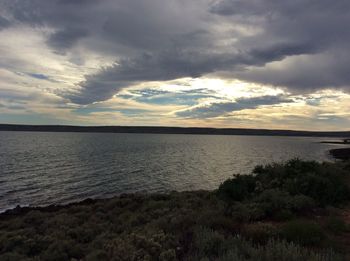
(160, 97)
(175, 99)
(39, 76)
(87, 111)
(151, 92)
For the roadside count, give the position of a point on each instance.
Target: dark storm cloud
(156, 40)
(173, 64)
(277, 52)
(318, 25)
(222, 108)
(161, 67)
(65, 39)
(4, 22)
(271, 7)
(76, 2)
(326, 70)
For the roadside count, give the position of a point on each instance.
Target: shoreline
(335, 154)
(262, 216)
(19, 210)
(335, 142)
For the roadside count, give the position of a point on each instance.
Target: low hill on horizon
(172, 130)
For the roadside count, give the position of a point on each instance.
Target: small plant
(238, 188)
(259, 233)
(322, 182)
(211, 245)
(235, 222)
(303, 232)
(336, 225)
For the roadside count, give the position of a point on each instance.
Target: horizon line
(2, 125)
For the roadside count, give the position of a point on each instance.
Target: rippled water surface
(44, 168)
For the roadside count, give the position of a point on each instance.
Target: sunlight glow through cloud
(228, 63)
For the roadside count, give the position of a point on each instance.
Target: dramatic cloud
(63, 40)
(88, 52)
(317, 25)
(157, 40)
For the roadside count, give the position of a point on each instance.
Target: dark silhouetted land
(171, 130)
(343, 141)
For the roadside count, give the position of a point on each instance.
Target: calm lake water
(43, 168)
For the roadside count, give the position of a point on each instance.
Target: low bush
(323, 182)
(211, 245)
(199, 225)
(281, 191)
(280, 205)
(303, 232)
(244, 212)
(238, 188)
(336, 225)
(259, 233)
(12, 256)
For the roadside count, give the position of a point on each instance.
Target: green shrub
(324, 183)
(12, 242)
(336, 225)
(281, 205)
(63, 250)
(168, 255)
(303, 232)
(302, 203)
(282, 191)
(243, 212)
(277, 250)
(97, 255)
(238, 188)
(218, 222)
(211, 245)
(163, 227)
(208, 243)
(259, 233)
(273, 200)
(12, 256)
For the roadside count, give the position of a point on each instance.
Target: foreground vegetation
(289, 211)
(342, 154)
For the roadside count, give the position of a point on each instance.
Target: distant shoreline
(334, 142)
(172, 130)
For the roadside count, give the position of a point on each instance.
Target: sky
(205, 63)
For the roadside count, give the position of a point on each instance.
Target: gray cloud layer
(156, 40)
(222, 108)
(3, 22)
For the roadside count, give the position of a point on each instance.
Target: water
(45, 168)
